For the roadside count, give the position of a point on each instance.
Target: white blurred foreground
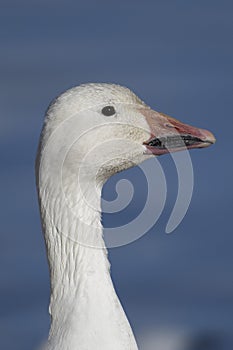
(168, 339)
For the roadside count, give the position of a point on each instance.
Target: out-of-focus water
(177, 55)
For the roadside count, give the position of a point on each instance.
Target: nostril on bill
(167, 125)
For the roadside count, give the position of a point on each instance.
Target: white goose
(91, 132)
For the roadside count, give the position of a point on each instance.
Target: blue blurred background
(177, 56)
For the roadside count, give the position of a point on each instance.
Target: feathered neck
(85, 310)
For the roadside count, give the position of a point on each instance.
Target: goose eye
(108, 111)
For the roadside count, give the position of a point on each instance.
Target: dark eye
(108, 111)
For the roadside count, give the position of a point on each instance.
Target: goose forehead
(107, 92)
(90, 95)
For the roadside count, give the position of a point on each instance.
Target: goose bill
(170, 135)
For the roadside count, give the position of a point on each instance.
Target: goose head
(105, 128)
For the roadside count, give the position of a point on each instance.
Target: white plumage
(80, 148)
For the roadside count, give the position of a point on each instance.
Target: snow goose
(91, 132)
